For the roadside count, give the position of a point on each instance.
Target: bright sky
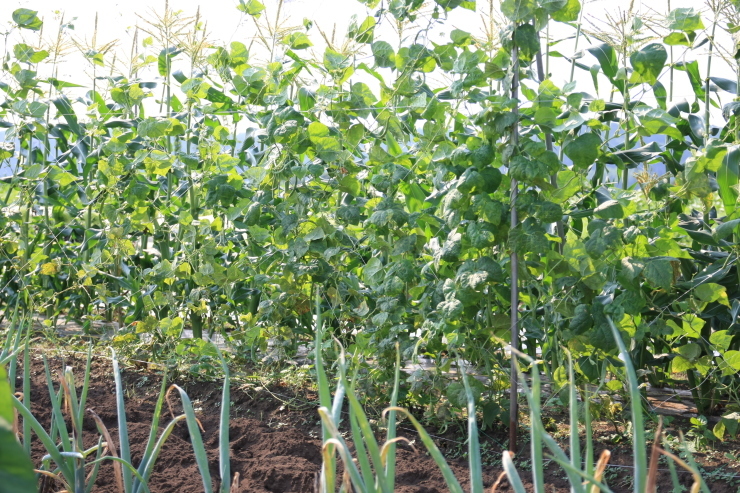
(225, 24)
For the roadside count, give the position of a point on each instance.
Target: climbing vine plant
(438, 191)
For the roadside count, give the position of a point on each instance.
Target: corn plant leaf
(725, 84)
(607, 58)
(692, 69)
(64, 106)
(164, 61)
(725, 229)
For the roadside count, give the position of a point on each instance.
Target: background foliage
(204, 187)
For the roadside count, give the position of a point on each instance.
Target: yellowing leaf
(49, 268)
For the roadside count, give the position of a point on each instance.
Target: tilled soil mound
(275, 445)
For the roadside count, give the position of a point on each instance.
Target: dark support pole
(514, 394)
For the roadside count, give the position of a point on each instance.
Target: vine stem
(707, 93)
(548, 143)
(514, 393)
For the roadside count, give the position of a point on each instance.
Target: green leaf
(649, 62)
(684, 19)
(327, 147)
(384, 54)
(680, 364)
(460, 38)
(152, 128)
(16, 468)
(611, 209)
(692, 69)
(27, 19)
(27, 54)
(568, 13)
(518, 10)
(365, 33)
(584, 150)
(64, 106)
(334, 61)
(607, 58)
(6, 402)
(732, 358)
(728, 179)
(690, 351)
(679, 39)
(659, 272)
(721, 339)
(451, 308)
(725, 84)
(710, 292)
(164, 61)
(582, 320)
(725, 229)
(481, 234)
(251, 7)
(297, 41)
(528, 42)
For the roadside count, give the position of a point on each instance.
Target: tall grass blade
(127, 467)
(152, 441)
(575, 441)
(677, 487)
(390, 461)
(538, 429)
(652, 478)
(692, 466)
(26, 396)
(117, 470)
(538, 476)
(12, 339)
(85, 384)
(476, 468)
(224, 459)
(147, 466)
(580, 475)
(336, 442)
(93, 474)
(360, 450)
(195, 438)
(511, 472)
(638, 430)
(329, 467)
(46, 440)
(450, 479)
(125, 452)
(58, 425)
(589, 456)
(367, 432)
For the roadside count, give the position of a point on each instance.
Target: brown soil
(274, 439)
